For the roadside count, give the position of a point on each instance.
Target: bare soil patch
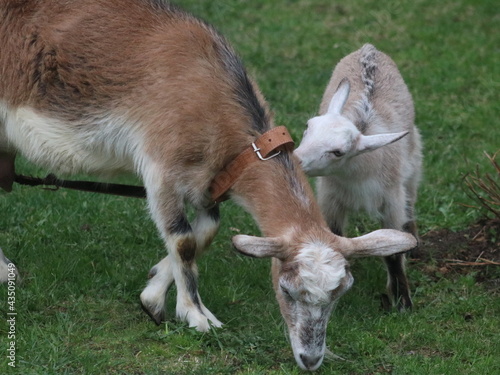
(473, 250)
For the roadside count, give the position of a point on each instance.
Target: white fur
(204, 229)
(321, 271)
(154, 294)
(309, 295)
(104, 148)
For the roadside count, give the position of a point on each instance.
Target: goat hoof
(385, 302)
(152, 272)
(415, 253)
(405, 304)
(199, 322)
(157, 316)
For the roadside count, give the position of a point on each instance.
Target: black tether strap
(89, 186)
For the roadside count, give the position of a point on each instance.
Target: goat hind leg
(395, 217)
(7, 171)
(397, 282)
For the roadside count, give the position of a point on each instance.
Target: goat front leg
(161, 278)
(205, 228)
(411, 226)
(189, 307)
(395, 217)
(184, 244)
(179, 267)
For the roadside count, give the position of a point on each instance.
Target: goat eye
(337, 153)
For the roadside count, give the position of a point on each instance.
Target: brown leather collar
(261, 150)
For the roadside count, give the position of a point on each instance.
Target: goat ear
(339, 98)
(381, 243)
(259, 247)
(372, 142)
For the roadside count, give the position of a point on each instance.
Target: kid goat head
(323, 155)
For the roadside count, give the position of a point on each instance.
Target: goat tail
(369, 66)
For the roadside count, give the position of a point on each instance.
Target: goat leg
(7, 171)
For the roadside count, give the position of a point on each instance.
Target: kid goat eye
(337, 153)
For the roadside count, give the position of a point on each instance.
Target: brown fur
(67, 69)
(187, 249)
(280, 208)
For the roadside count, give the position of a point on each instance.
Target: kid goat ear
(373, 142)
(339, 98)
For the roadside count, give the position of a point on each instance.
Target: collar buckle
(257, 151)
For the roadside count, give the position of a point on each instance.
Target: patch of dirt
(473, 250)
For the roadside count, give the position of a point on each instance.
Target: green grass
(85, 257)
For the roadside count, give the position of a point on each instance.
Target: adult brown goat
(139, 86)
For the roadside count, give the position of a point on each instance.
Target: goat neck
(278, 196)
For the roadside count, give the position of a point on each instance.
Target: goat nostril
(310, 361)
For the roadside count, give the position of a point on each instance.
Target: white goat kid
(367, 149)
(140, 86)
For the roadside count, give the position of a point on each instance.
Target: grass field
(84, 257)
